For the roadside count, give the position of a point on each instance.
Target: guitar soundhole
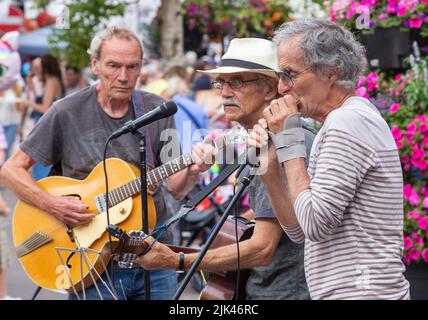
(69, 266)
(75, 195)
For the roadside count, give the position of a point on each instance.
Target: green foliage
(85, 18)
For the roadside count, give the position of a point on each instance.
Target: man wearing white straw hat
(247, 80)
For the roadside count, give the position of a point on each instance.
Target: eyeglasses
(234, 83)
(286, 77)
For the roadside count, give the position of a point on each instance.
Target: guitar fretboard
(153, 177)
(157, 175)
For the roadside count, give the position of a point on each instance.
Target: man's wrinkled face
(243, 104)
(118, 67)
(301, 82)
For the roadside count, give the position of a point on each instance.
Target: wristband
(290, 143)
(180, 261)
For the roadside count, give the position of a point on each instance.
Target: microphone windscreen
(171, 108)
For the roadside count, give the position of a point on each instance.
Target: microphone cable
(107, 212)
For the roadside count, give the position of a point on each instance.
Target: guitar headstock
(130, 246)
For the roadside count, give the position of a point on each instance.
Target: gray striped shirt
(351, 218)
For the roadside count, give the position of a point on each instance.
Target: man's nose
(123, 75)
(227, 91)
(283, 87)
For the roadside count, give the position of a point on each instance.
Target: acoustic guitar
(220, 285)
(37, 234)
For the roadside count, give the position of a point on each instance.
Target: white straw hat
(248, 55)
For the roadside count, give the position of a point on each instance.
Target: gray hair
(119, 32)
(325, 46)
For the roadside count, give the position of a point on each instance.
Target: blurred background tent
(36, 43)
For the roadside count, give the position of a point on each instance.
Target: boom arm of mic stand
(244, 182)
(192, 203)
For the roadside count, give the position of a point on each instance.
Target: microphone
(165, 110)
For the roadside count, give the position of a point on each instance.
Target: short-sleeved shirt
(284, 278)
(74, 132)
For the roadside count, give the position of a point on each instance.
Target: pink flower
(398, 77)
(424, 190)
(424, 2)
(372, 77)
(425, 142)
(414, 199)
(417, 238)
(362, 91)
(415, 23)
(401, 10)
(394, 107)
(405, 159)
(414, 254)
(425, 251)
(392, 6)
(418, 153)
(408, 243)
(406, 260)
(423, 223)
(411, 127)
(396, 133)
(362, 81)
(413, 215)
(423, 127)
(382, 16)
(407, 191)
(425, 203)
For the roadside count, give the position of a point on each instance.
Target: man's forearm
(182, 183)
(297, 177)
(22, 183)
(279, 197)
(226, 258)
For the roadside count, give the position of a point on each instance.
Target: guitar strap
(140, 110)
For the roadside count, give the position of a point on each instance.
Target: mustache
(231, 102)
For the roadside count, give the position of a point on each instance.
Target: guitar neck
(153, 177)
(158, 174)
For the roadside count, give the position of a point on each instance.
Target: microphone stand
(145, 215)
(243, 184)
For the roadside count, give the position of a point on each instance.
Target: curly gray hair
(120, 32)
(325, 46)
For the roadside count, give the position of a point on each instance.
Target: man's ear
(333, 74)
(271, 89)
(95, 66)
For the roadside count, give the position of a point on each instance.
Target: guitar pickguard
(86, 235)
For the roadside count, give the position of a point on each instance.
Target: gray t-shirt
(284, 278)
(73, 133)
